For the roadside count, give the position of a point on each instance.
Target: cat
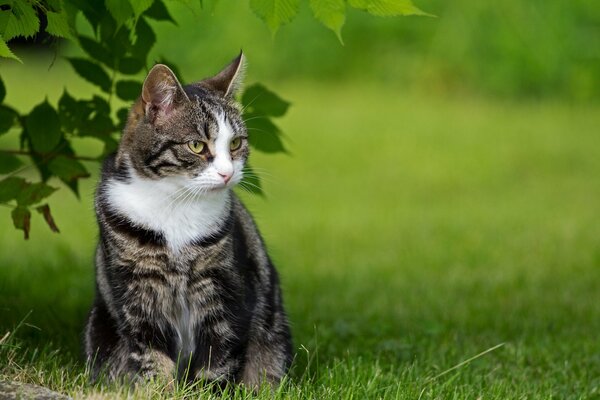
(184, 284)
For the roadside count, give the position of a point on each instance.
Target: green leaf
(91, 72)
(10, 188)
(8, 117)
(9, 163)
(259, 100)
(129, 90)
(100, 104)
(45, 211)
(139, 6)
(159, 12)
(21, 217)
(251, 181)
(6, 52)
(145, 39)
(120, 10)
(93, 11)
(34, 193)
(387, 8)
(98, 126)
(58, 24)
(331, 13)
(67, 169)
(2, 90)
(122, 115)
(73, 113)
(22, 21)
(263, 134)
(96, 50)
(131, 65)
(110, 146)
(43, 127)
(275, 12)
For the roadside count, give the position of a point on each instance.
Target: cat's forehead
(206, 106)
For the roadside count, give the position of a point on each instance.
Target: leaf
(110, 146)
(8, 116)
(387, 8)
(139, 6)
(251, 181)
(145, 39)
(91, 72)
(45, 211)
(73, 113)
(331, 13)
(33, 193)
(131, 65)
(129, 90)
(96, 50)
(122, 115)
(263, 134)
(58, 24)
(43, 127)
(275, 12)
(6, 52)
(21, 217)
(98, 126)
(159, 12)
(2, 90)
(67, 169)
(22, 21)
(120, 10)
(10, 188)
(257, 99)
(93, 11)
(100, 104)
(9, 162)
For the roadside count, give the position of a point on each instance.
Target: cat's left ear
(229, 80)
(161, 93)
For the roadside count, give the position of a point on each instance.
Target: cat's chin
(218, 188)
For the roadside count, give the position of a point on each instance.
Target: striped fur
(185, 287)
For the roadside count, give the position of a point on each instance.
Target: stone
(25, 391)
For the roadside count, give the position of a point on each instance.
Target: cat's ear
(161, 93)
(229, 80)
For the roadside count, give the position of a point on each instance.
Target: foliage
(115, 54)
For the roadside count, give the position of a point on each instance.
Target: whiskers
(186, 195)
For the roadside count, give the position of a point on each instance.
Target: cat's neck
(166, 206)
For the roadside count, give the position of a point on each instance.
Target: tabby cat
(185, 286)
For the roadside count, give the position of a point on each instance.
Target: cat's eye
(235, 144)
(196, 146)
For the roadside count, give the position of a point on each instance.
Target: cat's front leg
(137, 358)
(151, 364)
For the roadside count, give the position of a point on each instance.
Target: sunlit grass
(412, 234)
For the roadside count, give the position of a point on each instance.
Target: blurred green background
(440, 198)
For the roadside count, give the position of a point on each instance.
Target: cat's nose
(226, 177)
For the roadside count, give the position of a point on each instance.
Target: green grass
(411, 233)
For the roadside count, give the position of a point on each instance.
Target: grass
(428, 248)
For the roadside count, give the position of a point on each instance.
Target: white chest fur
(166, 206)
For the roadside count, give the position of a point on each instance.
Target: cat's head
(194, 133)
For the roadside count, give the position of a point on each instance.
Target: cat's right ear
(161, 93)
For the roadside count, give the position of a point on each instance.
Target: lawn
(428, 248)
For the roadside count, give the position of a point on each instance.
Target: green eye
(196, 147)
(235, 144)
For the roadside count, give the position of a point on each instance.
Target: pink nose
(226, 177)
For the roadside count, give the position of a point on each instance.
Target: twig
(460, 364)
(468, 360)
